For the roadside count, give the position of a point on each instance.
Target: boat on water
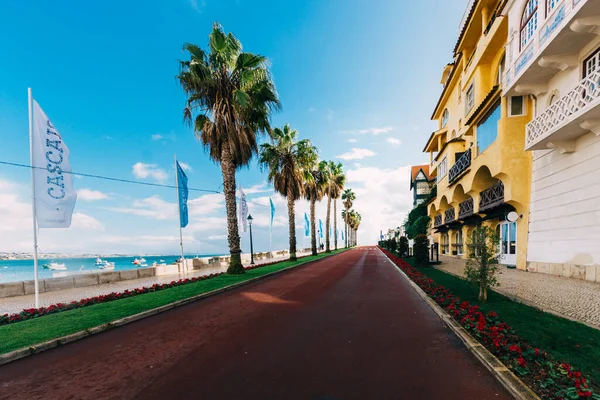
(54, 266)
(161, 264)
(140, 262)
(99, 262)
(107, 265)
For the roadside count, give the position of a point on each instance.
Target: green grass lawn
(34, 331)
(567, 341)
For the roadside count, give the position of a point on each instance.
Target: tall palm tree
(336, 185)
(231, 96)
(288, 160)
(314, 190)
(326, 176)
(348, 197)
(357, 221)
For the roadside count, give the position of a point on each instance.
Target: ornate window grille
(466, 208)
(437, 221)
(450, 215)
(461, 165)
(492, 197)
(529, 22)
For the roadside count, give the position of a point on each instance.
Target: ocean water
(22, 270)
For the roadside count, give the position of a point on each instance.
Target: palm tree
(357, 221)
(348, 197)
(326, 176)
(231, 96)
(336, 185)
(288, 161)
(314, 190)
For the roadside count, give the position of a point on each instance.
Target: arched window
(529, 22)
(445, 243)
(459, 242)
(445, 118)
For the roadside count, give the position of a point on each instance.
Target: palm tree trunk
(335, 223)
(292, 223)
(346, 228)
(313, 230)
(233, 236)
(327, 225)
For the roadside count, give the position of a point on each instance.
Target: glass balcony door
(508, 243)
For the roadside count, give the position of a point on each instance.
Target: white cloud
(217, 237)
(393, 141)
(371, 131)
(197, 5)
(84, 221)
(357, 165)
(90, 195)
(143, 171)
(258, 188)
(151, 207)
(357, 154)
(185, 166)
(382, 198)
(352, 140)
(157, 136)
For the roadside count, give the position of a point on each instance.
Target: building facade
(553, 57)
(421, 183)
(477, 155)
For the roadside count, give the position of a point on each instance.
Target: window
(487, 130)
(500, 70)
(551, 5)
(470, 102)
(443, 168)
(423, 188)
(445, 243)
(445, 117)
(529, 22)
(459, 243)
(516, 106)
(591, 64)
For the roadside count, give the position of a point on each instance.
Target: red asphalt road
(347, 327)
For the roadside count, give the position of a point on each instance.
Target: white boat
(54, 266)
(107, 265)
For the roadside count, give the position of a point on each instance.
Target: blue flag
(320, 228)
(306, 226)
(182, 181)
(272, 213)
(330, 231)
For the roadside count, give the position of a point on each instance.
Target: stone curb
(511, 383)
(41, 347)
(529, 303)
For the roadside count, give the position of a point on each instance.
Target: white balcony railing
(577, 101)
(558, 19)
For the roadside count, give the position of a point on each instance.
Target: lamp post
(251, 247)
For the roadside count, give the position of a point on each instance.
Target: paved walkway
(573, 298)
(10, 305)
(347, 327)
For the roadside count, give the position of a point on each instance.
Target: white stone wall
(564, 224)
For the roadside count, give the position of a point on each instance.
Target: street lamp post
(251, 246)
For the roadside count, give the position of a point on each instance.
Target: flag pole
(179, 208)
(35, 239)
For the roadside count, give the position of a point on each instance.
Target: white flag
(243, 209)
(53, 192)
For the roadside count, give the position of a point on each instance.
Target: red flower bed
(549, 379)
(30, 313)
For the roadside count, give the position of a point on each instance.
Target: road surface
(347, 327)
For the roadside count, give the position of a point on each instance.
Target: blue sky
(358, 78)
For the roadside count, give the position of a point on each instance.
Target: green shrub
(420, 250)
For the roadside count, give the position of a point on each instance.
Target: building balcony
(437, 221)
(568, 118)
(554, 46)
(466, 208)
(450, 215)
(492, 197)
(461, 166)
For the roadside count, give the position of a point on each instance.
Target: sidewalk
(11, 305)
(571, 298)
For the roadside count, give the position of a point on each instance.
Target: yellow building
(477, 155)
